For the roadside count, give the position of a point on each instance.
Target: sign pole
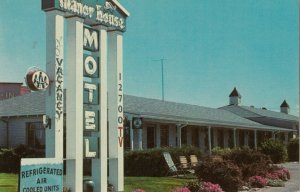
(74, 149)
(115, 109)
(95, 89)
(99, 166)
(54, 69)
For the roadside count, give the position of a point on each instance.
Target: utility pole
(162, 78)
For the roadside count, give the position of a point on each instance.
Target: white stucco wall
(17, 129)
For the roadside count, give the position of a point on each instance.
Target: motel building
(152, 123)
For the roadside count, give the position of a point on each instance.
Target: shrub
(193, 186)
(272, 176)
(275, 149)
(144, 163)
(258, 181)
(276, 183)
(210, 187)
(282, 174)
(293, 149)
(181, 189)
(225, 173)
(151, 161)
(287, 173)
(249, 161)
(10, 158)
(220, 151)
(138, 190)
(9, 161)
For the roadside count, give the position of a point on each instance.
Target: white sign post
(54, 69)
(115, 109)
(95, 85)
(99, 166)
(74, 99)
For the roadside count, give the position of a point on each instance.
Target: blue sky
(210, 46)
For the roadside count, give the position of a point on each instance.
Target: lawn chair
(194, 160)
(185, 165)
(172, 167)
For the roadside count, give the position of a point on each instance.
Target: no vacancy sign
(41, 175)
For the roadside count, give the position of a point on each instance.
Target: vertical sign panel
(115, 109)
(99, 166)
(75, 105)
(54, 69)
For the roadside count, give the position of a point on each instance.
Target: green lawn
(9, 183)
(153, 184)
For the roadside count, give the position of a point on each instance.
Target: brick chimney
(284, 107)
(235, 97)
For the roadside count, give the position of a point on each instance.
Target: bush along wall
(224, 173)
(151, 162)
(249, 161)
(10, 158)
(275, 149)
(293, 149)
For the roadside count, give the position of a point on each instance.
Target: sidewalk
(290, 186)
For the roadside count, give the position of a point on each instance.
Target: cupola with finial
(284, 107)
(235, 97)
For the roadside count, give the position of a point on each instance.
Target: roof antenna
(162, 78)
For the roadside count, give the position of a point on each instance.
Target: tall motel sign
(94, 100)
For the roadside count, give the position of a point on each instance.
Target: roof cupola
(284, 107)
(235, 97)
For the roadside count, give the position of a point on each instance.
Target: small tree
(275, 149)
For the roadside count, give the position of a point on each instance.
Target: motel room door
(151, 137)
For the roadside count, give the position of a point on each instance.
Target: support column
(209, 139)
(255, 139)
(74, 149)
(172, 135)
(99, 165)
(179, 135)
(234, 138)
(140, 139)
(115, 116)
(54, 96)
(131, 135)
(158, 135)
(201, 140)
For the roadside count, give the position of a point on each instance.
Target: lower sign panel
(41, 174)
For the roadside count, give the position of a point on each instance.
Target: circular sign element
(137, 123)
(37, 80)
